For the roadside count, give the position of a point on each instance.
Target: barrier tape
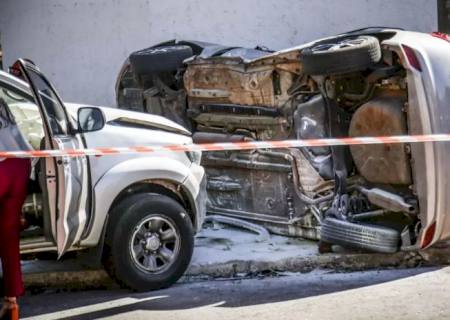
(228, 146)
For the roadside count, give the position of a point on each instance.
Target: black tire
(159, 59)
(349, 54)
(361, 236)
(126, 217)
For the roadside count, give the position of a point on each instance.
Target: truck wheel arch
(159, 186)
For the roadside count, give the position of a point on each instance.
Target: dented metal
(224, 80)
(237, 94)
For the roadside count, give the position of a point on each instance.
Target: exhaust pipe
(387, 200)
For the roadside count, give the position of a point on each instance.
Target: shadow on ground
(219, 293)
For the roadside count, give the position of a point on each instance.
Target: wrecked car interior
(353, 85)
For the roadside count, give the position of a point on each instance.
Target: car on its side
(138, 213)
(369, 82)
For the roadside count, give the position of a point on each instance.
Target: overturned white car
(368, 82)
(138, 213)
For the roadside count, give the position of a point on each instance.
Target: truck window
(53, 108)
(27, 115)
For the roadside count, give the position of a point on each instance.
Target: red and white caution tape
(228, 146)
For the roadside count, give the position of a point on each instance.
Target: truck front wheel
(150, 240)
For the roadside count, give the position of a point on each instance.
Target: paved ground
(225, 252)
(219, 252)
(421, 293)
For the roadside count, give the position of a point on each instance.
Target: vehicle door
(71, 173)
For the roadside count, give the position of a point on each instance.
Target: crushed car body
(364, 83)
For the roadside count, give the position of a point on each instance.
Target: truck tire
(150, 241)
(360, 236)
(159, 59)
(341, 55)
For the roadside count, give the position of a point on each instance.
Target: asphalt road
(421, 293)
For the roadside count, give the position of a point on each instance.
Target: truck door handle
(60, 162)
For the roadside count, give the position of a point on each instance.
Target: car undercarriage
(347, 86)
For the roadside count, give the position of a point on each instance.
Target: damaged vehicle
(364, 83)
(136, 213)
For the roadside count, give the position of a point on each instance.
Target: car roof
(14, 81)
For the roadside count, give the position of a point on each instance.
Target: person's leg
(17, 172)
(1, 239)
(12, 277)
(12, 208)
(4, 187)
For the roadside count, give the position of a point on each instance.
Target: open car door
(69, 217)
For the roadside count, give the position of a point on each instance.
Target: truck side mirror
(90, 119)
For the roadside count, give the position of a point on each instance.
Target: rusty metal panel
(264, 82)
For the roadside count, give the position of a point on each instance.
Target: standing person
(14, 175)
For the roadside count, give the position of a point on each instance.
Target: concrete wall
(81, 44)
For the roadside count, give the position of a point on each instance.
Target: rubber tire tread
(344, 60)
(362, 236)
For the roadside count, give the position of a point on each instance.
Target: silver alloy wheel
(155, 244)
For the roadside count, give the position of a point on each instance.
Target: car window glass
(53, 108)
(26, 114)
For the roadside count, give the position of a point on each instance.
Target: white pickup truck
(138, 212)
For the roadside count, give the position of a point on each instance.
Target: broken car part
(387, 200)
(263, 234)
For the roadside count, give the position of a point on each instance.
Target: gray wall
(81, 44)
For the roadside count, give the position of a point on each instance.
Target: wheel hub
(152, 243)
(155, 244)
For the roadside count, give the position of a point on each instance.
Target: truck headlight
(195, 156)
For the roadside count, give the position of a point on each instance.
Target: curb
(338, 262)
(344, 262)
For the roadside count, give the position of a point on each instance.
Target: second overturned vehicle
(369, 82)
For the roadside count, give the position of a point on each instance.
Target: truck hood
(131, 119)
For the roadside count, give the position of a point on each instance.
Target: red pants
(14, 175)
